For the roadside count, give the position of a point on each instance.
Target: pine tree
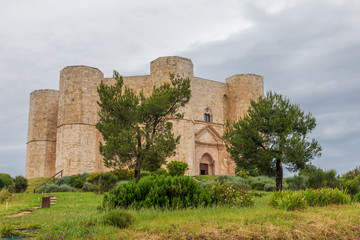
(135, 128)
(272, 134)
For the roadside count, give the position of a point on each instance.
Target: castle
(62, 133)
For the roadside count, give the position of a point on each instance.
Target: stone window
(207, 115)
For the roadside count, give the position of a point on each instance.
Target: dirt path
(53, 200)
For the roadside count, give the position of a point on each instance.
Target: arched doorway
(206, 165)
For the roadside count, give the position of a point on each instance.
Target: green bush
(78, 180)
(269, 187)
(296, 183)
(352, 185)
(123, 174)
(177, 168)
(258, 185)
(20, 184)
(160, 172)
(56, 188)
(118, 218)
(88, 187)
(63, 180)
(224, 193)
(323, 179)
(290, 200)
(5, 195)
(158, 192)
(352, 173)
(356, 198)
(5, 180)
(144, 174)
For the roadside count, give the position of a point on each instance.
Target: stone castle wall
(68, 117)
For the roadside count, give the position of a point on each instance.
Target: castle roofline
(79, 66)
(172, 57)
(39, 91)
(245, 74)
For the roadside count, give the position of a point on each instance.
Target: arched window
(207, 115)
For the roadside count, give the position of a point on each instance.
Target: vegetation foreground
(75, 216)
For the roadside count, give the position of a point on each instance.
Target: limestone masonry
(62, 133)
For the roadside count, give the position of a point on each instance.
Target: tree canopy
(273, 133)
(135, 128)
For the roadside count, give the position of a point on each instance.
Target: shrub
(323, 179)
(356, 198)
(56, 188)
(352, 173)
(159, 192)
(264, 179)
(290, 200)
(144, 174)
(258, 185)
(296, 183)
(177, 168)
(160, 172)
(63, 180)
(224, 193)
(123, 174)
(353, 185)
(20, 184)
(88, 187)
(118, 218)
(204, 183)
(5, 195)
(78, 180)
(269, 187)
(5, 180)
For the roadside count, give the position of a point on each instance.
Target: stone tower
(77, 138)
(62, 133)
(41, 140)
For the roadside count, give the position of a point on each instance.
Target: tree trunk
(138, 160)
(279, 175)
(137, 175)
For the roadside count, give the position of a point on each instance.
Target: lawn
(75, 216)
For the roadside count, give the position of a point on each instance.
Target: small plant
(5, 195)
(118, 218)
(356, 198)
(290, 200)
(177, 168)
(20, 184)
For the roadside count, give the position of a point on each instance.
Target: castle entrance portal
(206, 165)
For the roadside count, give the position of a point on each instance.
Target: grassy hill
(75, 216)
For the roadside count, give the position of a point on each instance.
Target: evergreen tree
(272, 134)
(135, 128)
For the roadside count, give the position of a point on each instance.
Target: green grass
(34, 182)
(76, 215)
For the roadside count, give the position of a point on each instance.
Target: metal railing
(52, 177)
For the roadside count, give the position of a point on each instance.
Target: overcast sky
(306, 50)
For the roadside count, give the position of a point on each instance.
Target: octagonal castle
(62, 133)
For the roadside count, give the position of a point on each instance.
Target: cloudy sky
(307, 50)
